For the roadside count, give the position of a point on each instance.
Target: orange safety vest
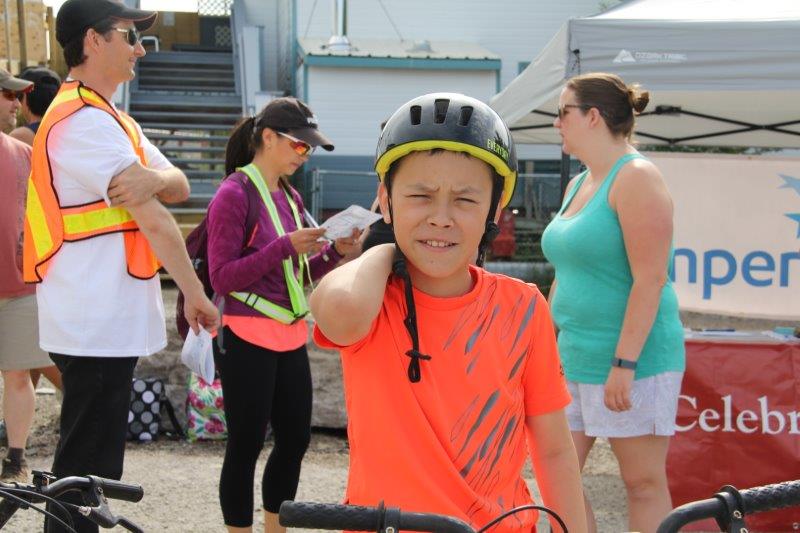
(48, 224)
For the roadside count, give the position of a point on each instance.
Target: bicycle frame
(45, 486)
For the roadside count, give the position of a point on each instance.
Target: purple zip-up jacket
(258, 267)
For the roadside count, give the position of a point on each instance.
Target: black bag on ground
(144, 416)
(197, 247)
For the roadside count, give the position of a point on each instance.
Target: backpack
(197, 247)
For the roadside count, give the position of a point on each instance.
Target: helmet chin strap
(490, 234)
(400, 269)
(491, 230)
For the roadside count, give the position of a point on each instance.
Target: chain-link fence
(214, 8)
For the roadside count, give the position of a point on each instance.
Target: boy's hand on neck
(348, 299)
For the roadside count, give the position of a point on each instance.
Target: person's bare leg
(19, 404)
(583, 445)
(271, 524)
(52, 374)
(643, 466)
(233, 529)
(35, 375)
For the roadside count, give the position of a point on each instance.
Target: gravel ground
(180, 479)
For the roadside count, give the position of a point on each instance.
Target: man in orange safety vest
(96, 233)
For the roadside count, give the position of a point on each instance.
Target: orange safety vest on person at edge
(48, 224)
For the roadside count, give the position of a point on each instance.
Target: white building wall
(266, 14)
(351, 103)
(516, 30)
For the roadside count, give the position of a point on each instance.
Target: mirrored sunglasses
(300, 147)
(132, 35)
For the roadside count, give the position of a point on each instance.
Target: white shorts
(654, 407)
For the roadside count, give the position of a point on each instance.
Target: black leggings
(261, 386)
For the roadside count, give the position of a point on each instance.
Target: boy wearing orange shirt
(448, 368)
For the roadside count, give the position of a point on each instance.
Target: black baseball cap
(75, 16)
(41, 76)
(289, 113)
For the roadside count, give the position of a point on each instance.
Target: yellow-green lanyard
(294, 284)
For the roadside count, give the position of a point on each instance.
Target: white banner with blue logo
(737, 233)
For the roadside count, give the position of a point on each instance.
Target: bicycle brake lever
(127, 524)
(98, 515)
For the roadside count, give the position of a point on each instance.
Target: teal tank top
(594, 278)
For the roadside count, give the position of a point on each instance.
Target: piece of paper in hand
(198, 355)
(342, 224)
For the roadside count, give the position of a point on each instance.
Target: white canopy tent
(719, 72)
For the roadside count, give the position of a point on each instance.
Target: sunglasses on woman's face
(300, 147)
(131, 35)
(562, 110)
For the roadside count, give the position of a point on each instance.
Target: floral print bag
(205, 414)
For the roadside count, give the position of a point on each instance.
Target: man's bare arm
(162, 232)
(137, 184)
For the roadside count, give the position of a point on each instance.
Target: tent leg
(564, 172)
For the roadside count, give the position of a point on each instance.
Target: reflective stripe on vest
(294, 284)
(48, 224)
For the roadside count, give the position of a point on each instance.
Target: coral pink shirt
(15, 165)
(268, 333)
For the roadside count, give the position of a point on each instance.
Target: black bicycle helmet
(450, 121)
(458, 123)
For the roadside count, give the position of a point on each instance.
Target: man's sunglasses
(132, 35)
(562, 110)
(10, 95)
(300, 147)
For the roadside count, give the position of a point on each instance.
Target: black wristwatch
(623, 363)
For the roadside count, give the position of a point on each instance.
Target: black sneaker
(12, 472)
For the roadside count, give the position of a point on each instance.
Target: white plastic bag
(198, 355)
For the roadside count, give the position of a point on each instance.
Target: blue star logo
(791, 183)
(796, 218)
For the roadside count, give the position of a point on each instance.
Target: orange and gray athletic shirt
(454, 442)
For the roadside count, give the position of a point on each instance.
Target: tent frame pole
(672, 110)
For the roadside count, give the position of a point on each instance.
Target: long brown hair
(616, 101)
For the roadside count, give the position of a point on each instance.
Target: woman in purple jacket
(263, 362)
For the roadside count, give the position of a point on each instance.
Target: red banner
(738, 424)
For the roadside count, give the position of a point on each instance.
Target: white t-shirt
(88, 303)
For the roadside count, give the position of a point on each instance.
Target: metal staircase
(187, 105)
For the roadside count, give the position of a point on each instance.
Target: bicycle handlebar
(754, 500)
(358, 518)
(769, 497)
(112, 488)
(98, 488)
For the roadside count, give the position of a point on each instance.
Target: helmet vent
(416, 115)
(440, 111)
(466, 114)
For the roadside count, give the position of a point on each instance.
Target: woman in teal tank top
(620, 336)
